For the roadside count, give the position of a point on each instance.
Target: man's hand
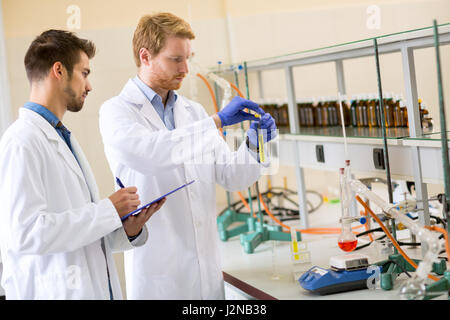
(233, 113)
(125, 200)
(134, 223)
(268, 130)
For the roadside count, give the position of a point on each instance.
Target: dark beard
(73, 105)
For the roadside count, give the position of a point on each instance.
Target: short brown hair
(55, 46)
(153, 30)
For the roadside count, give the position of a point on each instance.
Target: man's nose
(184, 68)
(88, 86)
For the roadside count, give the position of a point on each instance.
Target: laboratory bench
(267, 273)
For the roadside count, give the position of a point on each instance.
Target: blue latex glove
(268, 129)
(233, 112)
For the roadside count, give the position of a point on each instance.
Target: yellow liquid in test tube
(261, 142)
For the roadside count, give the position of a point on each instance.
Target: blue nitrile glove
(233, 112)
(268, 129)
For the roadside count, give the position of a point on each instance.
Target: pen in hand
(120, 183)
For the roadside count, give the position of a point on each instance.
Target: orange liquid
(348, 245)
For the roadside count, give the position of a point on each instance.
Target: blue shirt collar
(152, 96)
(44, 112)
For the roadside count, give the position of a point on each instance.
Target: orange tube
(412, 263)
(447, 244)
(237, 90)
(243, 200)
(211, 92)
(309, 231)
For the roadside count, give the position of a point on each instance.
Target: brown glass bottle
(372, 113)
(318, 114)
(301, 114)
(309, 114)
(332, 113)
(389, 113)
(346, 111)
(325, 117)
(405, 117)
(398, 121)
(353, 112)
(362, 113)
(284, 115)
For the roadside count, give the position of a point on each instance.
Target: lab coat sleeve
(118, 240)
(29, 226)
(236, 170)
(149, 152)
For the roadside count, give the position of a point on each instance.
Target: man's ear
(144, 56)
(58, 70)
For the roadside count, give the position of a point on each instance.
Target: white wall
(5, 105)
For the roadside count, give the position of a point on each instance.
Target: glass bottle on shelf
(398, 122)
(345, 110)
(325, 117)
(332, 113)
(309, 114)
(353, 111)
(377, 111)
(362, 112)
(359, 115)
(301, 113)
(284, 113)
(372, 112)
(318, 114)
(389, 112)
(404, 111)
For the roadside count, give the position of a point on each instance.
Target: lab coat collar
(132, 94)
(52, 135)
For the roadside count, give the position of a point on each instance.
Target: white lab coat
(181, 258)
(52, 220)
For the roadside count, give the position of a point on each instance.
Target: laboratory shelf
(413, 155)
(416, 38)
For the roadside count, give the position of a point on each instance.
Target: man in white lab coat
(56, 234)
(157, 140)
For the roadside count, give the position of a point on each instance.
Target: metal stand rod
(383, 126)
(444, 141)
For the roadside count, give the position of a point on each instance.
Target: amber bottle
(353, 112)
(372, 113)
(318, 114)
(389, 113)
(325, 118)
(398, 121)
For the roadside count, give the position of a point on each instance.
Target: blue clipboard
(135, 212)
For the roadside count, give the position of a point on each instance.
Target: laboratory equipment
(300, 256)
(347, 241)
(347, 273)
(402, 262)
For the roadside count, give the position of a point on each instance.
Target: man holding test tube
(56, 234)
(158, 140)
